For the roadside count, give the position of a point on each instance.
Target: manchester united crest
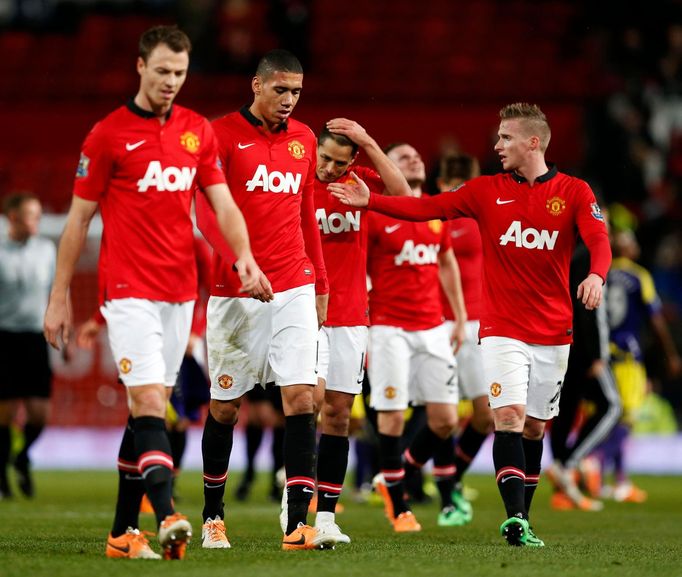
(125, 366)
(225, 381)
(435, 226)
(296, 149)
(390, 392)
(495, 389)
(555, 205)
(190, 142)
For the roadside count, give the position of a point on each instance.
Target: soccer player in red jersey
(139, 165)
(466, 243)
(410, 357)
(528, 217)
(342, 341)
(269, 161)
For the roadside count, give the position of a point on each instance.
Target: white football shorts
(472, 383)
(518, 373)
(341, 355)
(411, 366)
(148, 339)
(251, 342)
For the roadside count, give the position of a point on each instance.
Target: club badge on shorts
(390, 392)
(125, 366)
(495, 389)
(225, 381)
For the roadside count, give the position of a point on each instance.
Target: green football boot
(451, 517)
(515, 530)
(533, 540)
(462, 504)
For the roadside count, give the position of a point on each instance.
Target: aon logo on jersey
(274, 181)
(169, 179)
(529, 237)
(337, 222)
(417, 253)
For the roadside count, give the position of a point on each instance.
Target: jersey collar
(551, 173)
(257, 122)
(135, 109)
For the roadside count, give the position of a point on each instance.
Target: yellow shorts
(630, 377)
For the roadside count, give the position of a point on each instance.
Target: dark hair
(458, 167)
(171, 36)
(393, 145)
(278, 61)
(340, 139)
(14, 202)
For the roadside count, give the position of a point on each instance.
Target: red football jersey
(402, 262)
(142, 173)
(528, 234)
(343, 231)
(466, 242)
(271, 177)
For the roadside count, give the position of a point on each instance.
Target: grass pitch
(62, 532)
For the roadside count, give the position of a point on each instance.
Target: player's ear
(534, 142)
(140, 65)
(256, 85)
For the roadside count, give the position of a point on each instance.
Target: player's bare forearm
(57, 323)
(392, 177)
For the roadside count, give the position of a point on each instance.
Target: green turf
(63, 530)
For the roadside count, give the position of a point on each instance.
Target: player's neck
(265, 125)
(144, 103)
(533, 169)
(18, 236)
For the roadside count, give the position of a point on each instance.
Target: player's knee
(533, 429)
(225, 412)
(335, 420)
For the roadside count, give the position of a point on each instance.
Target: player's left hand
(352, 193)
(57, 324)
(254, 282)
(590, 291)
(321, 304)
(349, 128)
(458, 336)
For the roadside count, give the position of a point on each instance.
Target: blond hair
(533, 120)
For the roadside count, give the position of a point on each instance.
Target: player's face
(161, 77)
(512, 144)
(275, 97)
(26, 220)
(333, 160)
(410, 163)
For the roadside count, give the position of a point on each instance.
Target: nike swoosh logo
(135, 145)
(125, 549)
(390, 229)
(507, 478)
(330, 496)
(504, 201)
(306, 490)
(301, 541)
(241, 146)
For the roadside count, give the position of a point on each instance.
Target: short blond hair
(534, 120)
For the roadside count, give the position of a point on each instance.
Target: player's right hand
(352, 193)
(57, 324)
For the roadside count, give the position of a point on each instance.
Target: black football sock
(155, 463)
(216, 448)
(31, 434)
(532, 450)
(510, 466)
(178, 442)
(299, 461)
(130, 484)
(421, 449)
(332, 462)
(468, 445)
(391, 466)
(444, 470)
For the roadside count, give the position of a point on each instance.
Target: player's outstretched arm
(233, 228)
(391, 176)
(351, 193)
(57, 325)
(590, 291)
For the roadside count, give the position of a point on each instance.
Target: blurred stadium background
(608, 74)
